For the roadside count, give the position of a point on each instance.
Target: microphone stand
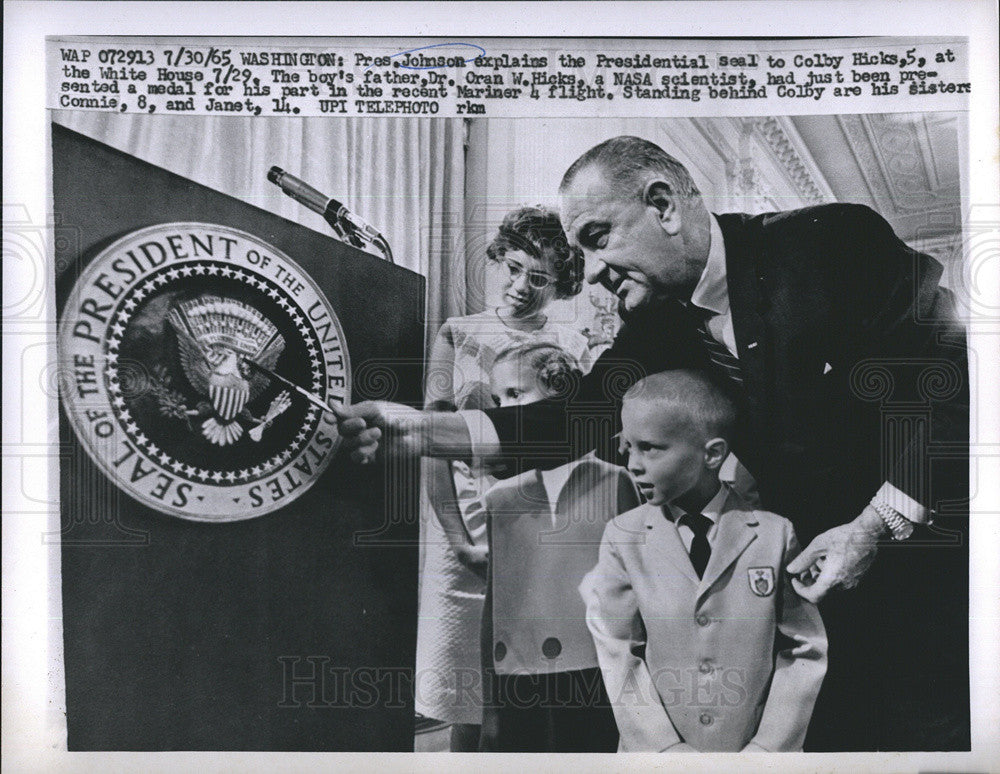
(359, 238)
(332, 211)
(383, 247)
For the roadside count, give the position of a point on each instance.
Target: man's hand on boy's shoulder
(837, 558)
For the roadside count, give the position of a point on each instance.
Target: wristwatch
(899, 528)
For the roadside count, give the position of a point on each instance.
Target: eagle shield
(215, 336)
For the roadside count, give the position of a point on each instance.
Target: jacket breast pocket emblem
(761, 580)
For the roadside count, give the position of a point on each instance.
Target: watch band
(899, 527)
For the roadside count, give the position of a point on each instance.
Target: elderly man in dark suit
(840, 349)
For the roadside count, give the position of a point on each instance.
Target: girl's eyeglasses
(538, 280)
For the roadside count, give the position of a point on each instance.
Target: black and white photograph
(535, 395)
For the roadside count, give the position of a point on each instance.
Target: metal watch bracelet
(899, 527)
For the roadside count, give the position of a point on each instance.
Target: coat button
(551, 647)
(705, 667)
(499, 651)
(702, 620)
(706, 719)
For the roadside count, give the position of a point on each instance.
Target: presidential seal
(194, 361)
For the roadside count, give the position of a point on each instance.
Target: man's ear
(660, 195)
(716, 451)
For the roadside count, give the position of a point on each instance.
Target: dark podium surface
(291, 631)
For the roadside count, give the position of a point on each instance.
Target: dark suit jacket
(854, 371)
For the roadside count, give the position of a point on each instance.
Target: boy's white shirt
(712, 511)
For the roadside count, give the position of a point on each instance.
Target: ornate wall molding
(766, 162)
(863, 149)
(896, 159)
(788, 150)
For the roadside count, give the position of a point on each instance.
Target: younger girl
(530, 266)
(544, 691)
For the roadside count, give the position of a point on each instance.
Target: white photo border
(33, 706)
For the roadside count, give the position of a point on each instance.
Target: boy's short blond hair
(692, 394)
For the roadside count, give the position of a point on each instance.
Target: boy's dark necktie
(700, 550)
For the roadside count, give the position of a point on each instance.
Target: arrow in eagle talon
(312, 398)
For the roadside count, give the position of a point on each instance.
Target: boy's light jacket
(733, 658)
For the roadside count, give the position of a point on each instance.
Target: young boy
(703, 643)
(544, 691)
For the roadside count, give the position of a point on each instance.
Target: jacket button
(706, 719)
(705, 667)
(551, 647)
(702, 620)
(499, 651)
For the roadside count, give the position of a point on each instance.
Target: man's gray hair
(626, 162)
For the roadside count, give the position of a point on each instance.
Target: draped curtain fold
(405, 176)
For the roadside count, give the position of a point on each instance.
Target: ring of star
(116, 330)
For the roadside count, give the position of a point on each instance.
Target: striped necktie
(723, 360)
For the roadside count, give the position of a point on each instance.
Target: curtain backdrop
(405, 176)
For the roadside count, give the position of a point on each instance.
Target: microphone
(335, 213)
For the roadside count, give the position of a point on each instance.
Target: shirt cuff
(482, 434)
(903, 504)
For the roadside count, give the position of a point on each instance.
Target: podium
(291, 631)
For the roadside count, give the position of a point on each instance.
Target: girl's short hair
(537, 231)
(556, 369)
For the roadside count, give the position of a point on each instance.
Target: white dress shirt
(712, 511)
(712, 293)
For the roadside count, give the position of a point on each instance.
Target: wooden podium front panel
(291, 631)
